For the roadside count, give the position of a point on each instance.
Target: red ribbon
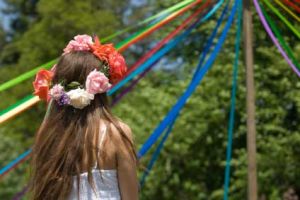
(292, 5)
(168, 38)
(160, 24)
(154, 50)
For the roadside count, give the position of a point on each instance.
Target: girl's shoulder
(125, 129)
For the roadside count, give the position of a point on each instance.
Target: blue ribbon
(158, 55)
(232, 107)
(147, 64)
(11, 164)
(157, 152)
(193, 85)
(213, 10)
(211, 39)
(207, 47)
(139, 70)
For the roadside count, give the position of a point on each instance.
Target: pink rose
(97, 82)
(80, 43)
(57, 91)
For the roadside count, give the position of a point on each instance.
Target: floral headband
(97, 82)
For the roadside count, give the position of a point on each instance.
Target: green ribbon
(166, 11)
(26, 75)
(49, 64)
(27, 98)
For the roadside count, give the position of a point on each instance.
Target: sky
(4, 19)
(138, 2)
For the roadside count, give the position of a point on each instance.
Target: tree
(191, 165)
(58, 22)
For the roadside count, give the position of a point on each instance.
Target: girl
(81, 150)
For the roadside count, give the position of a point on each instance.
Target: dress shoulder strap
(103, 133)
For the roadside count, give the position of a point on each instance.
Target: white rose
(79, 98)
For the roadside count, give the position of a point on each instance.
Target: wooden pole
(251, 130)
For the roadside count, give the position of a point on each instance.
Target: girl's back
(106, 179)
(81, 150)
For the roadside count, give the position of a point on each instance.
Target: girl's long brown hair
(67, 136)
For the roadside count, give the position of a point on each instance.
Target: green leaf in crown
(73, 85)
(105, 70)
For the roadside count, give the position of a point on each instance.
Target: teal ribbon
(232, 107)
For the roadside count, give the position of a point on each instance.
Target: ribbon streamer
(232, 106)
(19, 195)
(158, 25)
(18, 108)
(280, 38)
(275, 41)
(131, 40)
(49, 64)
(211, 39)
(133, 83)
(289, 25)
(157, 151)
(193, 85)
(18, 160)
(209, 14)
(291, 4)
(170, 127)
(287, 10)
(169, 37)
(157, 16)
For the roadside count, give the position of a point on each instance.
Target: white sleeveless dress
(106, 184)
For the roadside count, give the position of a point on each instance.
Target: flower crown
(97, 81)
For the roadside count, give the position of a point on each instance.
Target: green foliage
(191, 165)
(15, 180)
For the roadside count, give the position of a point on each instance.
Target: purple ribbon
(19, 195)
(131, 86)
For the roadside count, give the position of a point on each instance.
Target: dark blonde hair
(68, 134)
